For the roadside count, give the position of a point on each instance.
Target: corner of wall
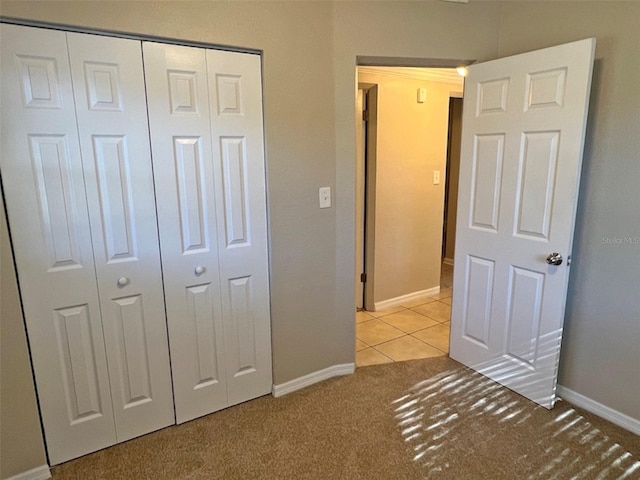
(20, 432)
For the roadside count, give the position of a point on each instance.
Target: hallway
(417, 329)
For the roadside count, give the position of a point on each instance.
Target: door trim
(39, 473)
(132, 36)
(314, 377)
(599, 409)
(371, 136)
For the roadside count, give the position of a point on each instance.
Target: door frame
(132, 36)
(368, 178)
(446, 221)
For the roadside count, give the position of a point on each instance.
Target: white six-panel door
(111, 109)
(235, 96)
(205, 113)
(181, 145)
(47, 210)
(522, 137)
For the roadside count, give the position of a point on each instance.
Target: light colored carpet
(430, 418)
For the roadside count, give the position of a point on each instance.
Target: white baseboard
(448, 261)
(608, 413)
(315, 377)
(38, 473)
(394, 302)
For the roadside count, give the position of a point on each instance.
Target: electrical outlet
(325, 197)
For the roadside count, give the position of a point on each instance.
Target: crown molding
(442, 75)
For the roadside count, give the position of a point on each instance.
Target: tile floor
(416, 329)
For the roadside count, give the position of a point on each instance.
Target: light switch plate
(325, 197)
(436, 177)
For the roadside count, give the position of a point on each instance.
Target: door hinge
(363, 277)
(365, 115)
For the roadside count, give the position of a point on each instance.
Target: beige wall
(411, 144)
(310, 51)
(600, 355)
(298, 88)
(424, 30)
(21, 446)
(600, 358)
(300, 145)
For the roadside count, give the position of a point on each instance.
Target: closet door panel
(112, 123)
(239, 171)
(45, 195)
(181, 146)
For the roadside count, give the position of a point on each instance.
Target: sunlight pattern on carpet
(430, 416)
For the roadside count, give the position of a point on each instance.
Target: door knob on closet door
(122, 281)
(199, 270)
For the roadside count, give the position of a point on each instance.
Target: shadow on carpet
(430, 418)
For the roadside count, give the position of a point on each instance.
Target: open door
(523, 130)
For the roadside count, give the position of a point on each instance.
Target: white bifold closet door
(49, 221)
(111, 109)
(205, 113)
(78, 185)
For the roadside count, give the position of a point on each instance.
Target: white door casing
(524, 123)
(45, 197)
(111, 110)
(360, 196)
